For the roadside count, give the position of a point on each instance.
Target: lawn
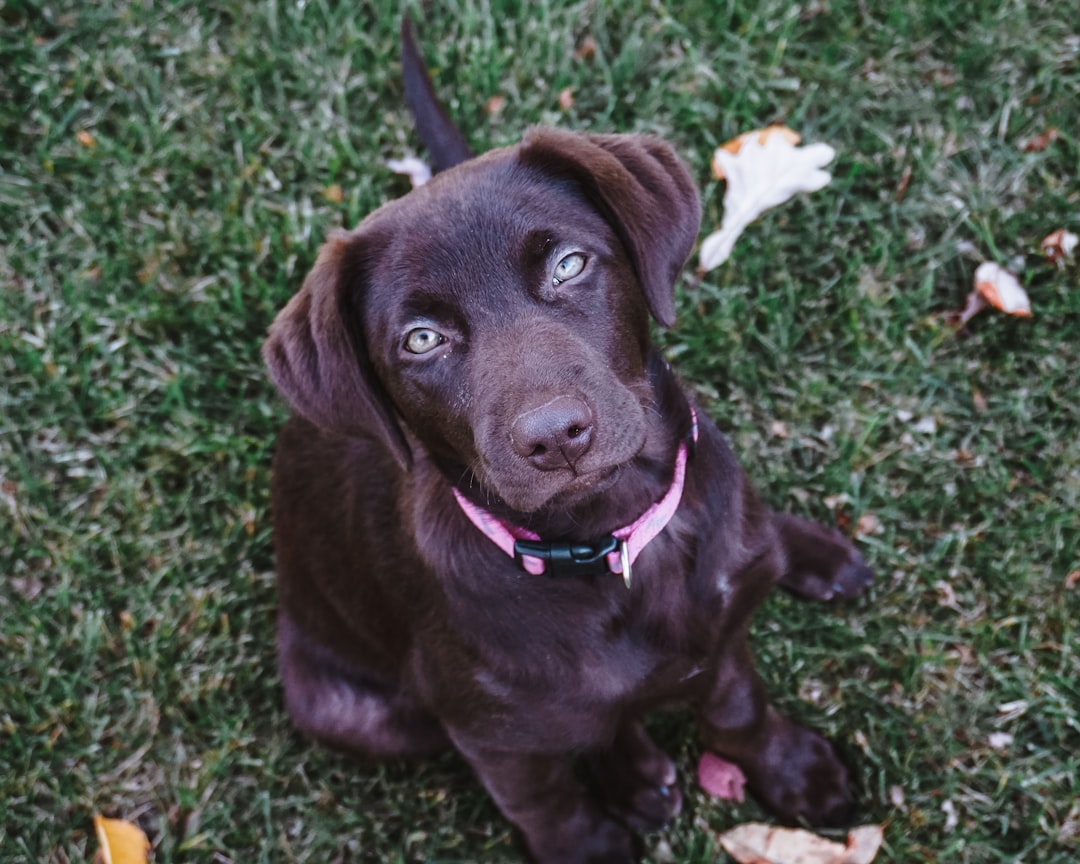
(167, 171)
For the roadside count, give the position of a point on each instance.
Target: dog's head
(498, 316)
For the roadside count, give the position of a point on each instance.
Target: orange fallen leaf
(121, 842)
(755, 843)
(1072, 580)
(566, 98)
(762, 135)
(86, 139)
(334, 193)
(1059, 246)
(495, 105)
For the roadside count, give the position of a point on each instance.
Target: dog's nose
(554, 435)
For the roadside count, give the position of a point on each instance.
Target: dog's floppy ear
(316, 355)
(644, 191)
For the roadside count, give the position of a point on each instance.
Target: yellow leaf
(121, 842)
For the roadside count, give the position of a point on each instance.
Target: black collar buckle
(568, 558)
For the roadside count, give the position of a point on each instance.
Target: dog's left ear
(644, 191)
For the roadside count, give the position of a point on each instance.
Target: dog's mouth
(547, 492)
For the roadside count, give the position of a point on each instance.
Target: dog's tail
(444, 141)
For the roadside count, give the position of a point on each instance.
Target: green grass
(141, 262)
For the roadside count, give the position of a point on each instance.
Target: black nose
(554, 435)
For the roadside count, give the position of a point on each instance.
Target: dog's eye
(568, 268)
(422, 340)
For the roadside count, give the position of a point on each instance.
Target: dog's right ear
(317, 357)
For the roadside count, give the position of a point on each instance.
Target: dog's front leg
(790, 769)
(541, 796)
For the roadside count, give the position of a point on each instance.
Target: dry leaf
(868, 524)
(566, 98)
(1040, 142)
(720, 778)
(587, 49)
(761, 175)
(120, 841)
(1072, 580)
(495, 105)
(755, 843)
(1002, 290)
(1059, 246)
(762, 135)
(333, 193)
(86, 139)
(415, 169)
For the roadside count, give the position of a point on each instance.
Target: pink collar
(617, 555)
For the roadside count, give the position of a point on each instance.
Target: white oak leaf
(760, 135)
(761, 176)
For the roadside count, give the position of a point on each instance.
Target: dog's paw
(824, 564)
(649, 805)
(605, 841)
(848, 581)
(852, 579)
(802, 779)
(637, 782)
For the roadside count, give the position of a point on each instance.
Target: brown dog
(476, 399)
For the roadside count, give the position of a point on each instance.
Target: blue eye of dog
(423, 340)
(568, 268)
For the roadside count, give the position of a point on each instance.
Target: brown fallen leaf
(755, 843)
(1072, 580)
(334, 193)
(86, 139)
(121, 842)
(566, 98)
(495, 105)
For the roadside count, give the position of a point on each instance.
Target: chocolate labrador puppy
(501, 523)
